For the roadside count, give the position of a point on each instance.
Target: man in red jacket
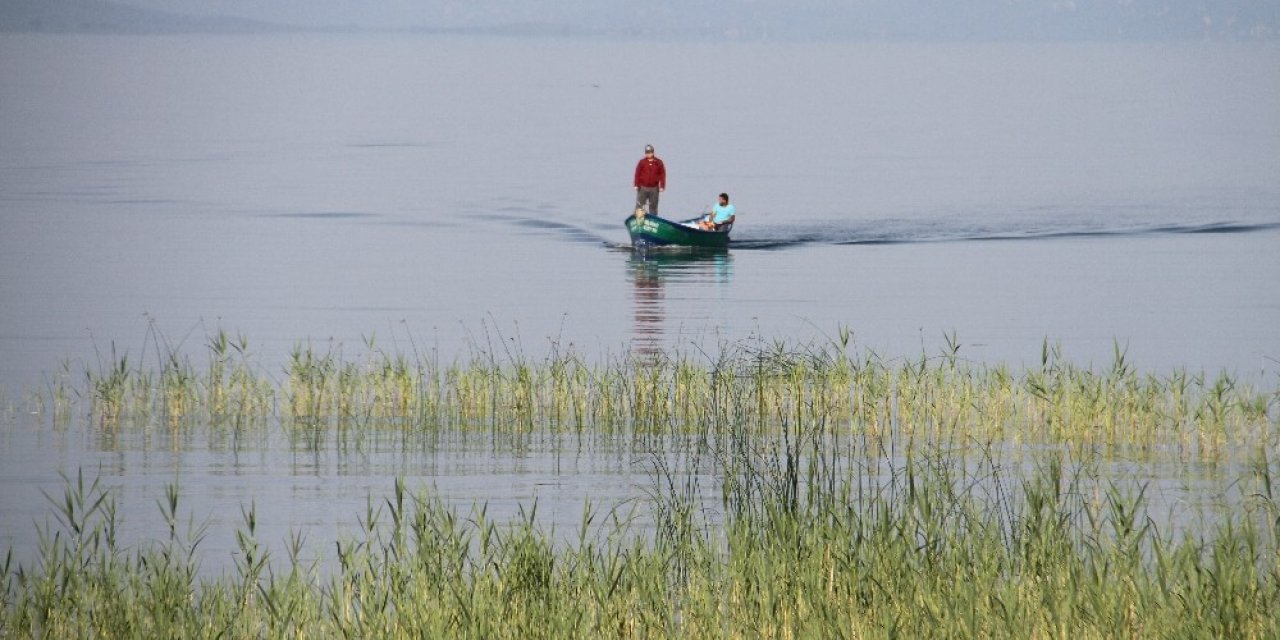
(651, 178)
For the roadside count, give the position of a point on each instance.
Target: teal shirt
(721, 214)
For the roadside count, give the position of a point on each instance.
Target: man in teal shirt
(722, 214)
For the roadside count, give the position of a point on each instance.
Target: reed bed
(753, 386)
(794, 548)
(793, 492)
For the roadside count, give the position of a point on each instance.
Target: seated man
(722, 215)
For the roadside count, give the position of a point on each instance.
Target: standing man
(651, 178)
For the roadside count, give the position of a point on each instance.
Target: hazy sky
(1251, 19)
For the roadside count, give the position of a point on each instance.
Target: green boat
(655, 231)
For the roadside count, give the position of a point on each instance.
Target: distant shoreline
(1031, 22)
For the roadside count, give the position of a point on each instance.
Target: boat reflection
(654, 272)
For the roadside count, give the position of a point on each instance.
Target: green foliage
(760, 387)
(921, 548)
(804, 492)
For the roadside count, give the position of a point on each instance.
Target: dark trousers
(651, 195)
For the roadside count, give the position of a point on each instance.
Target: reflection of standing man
(651, 178)
(649, 316)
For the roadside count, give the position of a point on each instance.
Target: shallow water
(312, 187)
(324, 487)
(449, 196)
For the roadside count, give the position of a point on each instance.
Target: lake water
(456, 194)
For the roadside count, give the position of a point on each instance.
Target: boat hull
(654, 231)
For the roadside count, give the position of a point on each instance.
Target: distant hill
(97, 16)
(795, 20)
(974, 20)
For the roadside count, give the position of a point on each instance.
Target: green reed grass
(795, 491)
(753, 385)
(932, 547)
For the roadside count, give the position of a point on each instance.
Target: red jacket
(650, 172)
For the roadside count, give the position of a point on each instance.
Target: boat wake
(889, 232)
(755, 235)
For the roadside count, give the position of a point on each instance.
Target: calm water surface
(457, 194)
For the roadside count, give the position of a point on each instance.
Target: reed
(794, 491)
(753, 385)
(792, 547)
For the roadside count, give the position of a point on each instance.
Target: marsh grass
(927, 547)
(792, 492)
(751, 386)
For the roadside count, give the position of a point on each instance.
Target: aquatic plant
(752, 385)
(794, 546)
(794, 490)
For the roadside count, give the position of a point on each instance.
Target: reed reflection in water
(698, 276)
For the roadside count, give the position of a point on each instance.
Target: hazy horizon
(1120, 20)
